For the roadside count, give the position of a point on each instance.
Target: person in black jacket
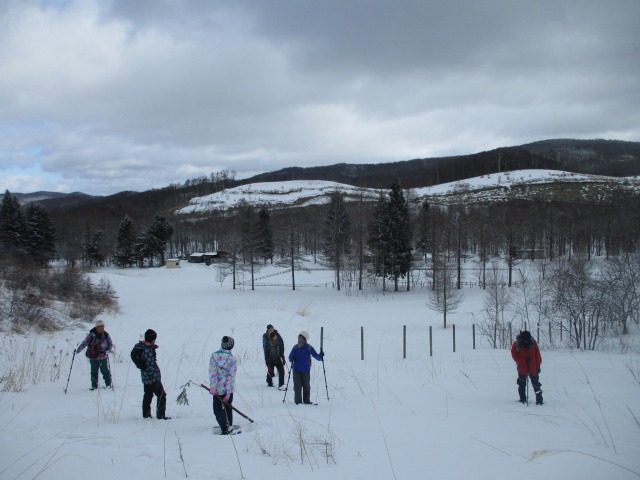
(274, 358)
(273, 355)
(151, 378)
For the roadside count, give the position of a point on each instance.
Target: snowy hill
(494, 187)
(446, 415)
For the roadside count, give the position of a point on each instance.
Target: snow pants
(103, 366)
(302, 387)
(223, 413)
(270, 373)
(535, 383)
(150, 390)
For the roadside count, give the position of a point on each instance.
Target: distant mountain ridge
(598, 157)
(613, 158)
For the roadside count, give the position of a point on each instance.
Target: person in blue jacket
(300, 360)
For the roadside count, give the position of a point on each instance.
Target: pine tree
(153, 241)
(12, 227)
(125, 254)
(39, 235)
(336, 231)
(390, 234)
(400, 234)
(264, 236)
(94, 249)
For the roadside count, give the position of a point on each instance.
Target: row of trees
(131, 248)
(580, 302)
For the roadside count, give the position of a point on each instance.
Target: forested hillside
(595, 217)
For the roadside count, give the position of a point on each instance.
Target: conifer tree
(94, 249)
(12, 227)
(264, 236)
(390, 233)
(336, 231)
(39, 235)
(125, 253)
(153, 241)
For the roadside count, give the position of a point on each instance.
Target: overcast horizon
(106, 96)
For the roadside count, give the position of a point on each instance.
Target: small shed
(172, 263)
(215, 257)
(196, 258)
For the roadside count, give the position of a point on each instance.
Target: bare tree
(579, 299)
(444, 297)
(497, 300)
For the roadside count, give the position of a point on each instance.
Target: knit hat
(305, 334)
(524, 339)
(150, 335)
(269, 326)
(227, 343)
(99, 323)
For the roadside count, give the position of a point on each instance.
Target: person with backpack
(99, 345)
(300, 359)
(526, 354)
(274, 358)
(144, 357)
(267, 334)
(222, 381)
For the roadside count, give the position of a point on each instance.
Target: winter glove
(78, 350)
(212, 390)
(226, 398)
(322, 356)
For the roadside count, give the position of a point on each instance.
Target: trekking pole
(72, 358)
(322, 354)
(232, 407)
(325, 376)
(286, 389)
(223, 402)
(527, 380)
(110, 372)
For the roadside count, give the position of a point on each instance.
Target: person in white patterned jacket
(222, 380)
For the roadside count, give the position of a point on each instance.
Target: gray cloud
(106, 96)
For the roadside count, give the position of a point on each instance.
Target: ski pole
(325, 375)
(286, 389)
(527, 380)
(110, 372)
(322, 353)
(68, 378)
(225, 403)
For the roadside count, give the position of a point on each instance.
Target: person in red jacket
(526, 354)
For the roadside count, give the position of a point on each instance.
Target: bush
(33, 298)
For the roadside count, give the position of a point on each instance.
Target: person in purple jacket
(222, 381)
(99, 346)
(300, 360)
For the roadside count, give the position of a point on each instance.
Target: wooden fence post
(404, 341)
(473, 332)
(430, 341)
(454, 337)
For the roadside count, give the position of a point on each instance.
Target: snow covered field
(449, 416)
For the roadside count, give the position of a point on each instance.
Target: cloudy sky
(101, 96)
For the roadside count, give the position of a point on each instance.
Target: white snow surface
(451, 415)
(313, 192)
